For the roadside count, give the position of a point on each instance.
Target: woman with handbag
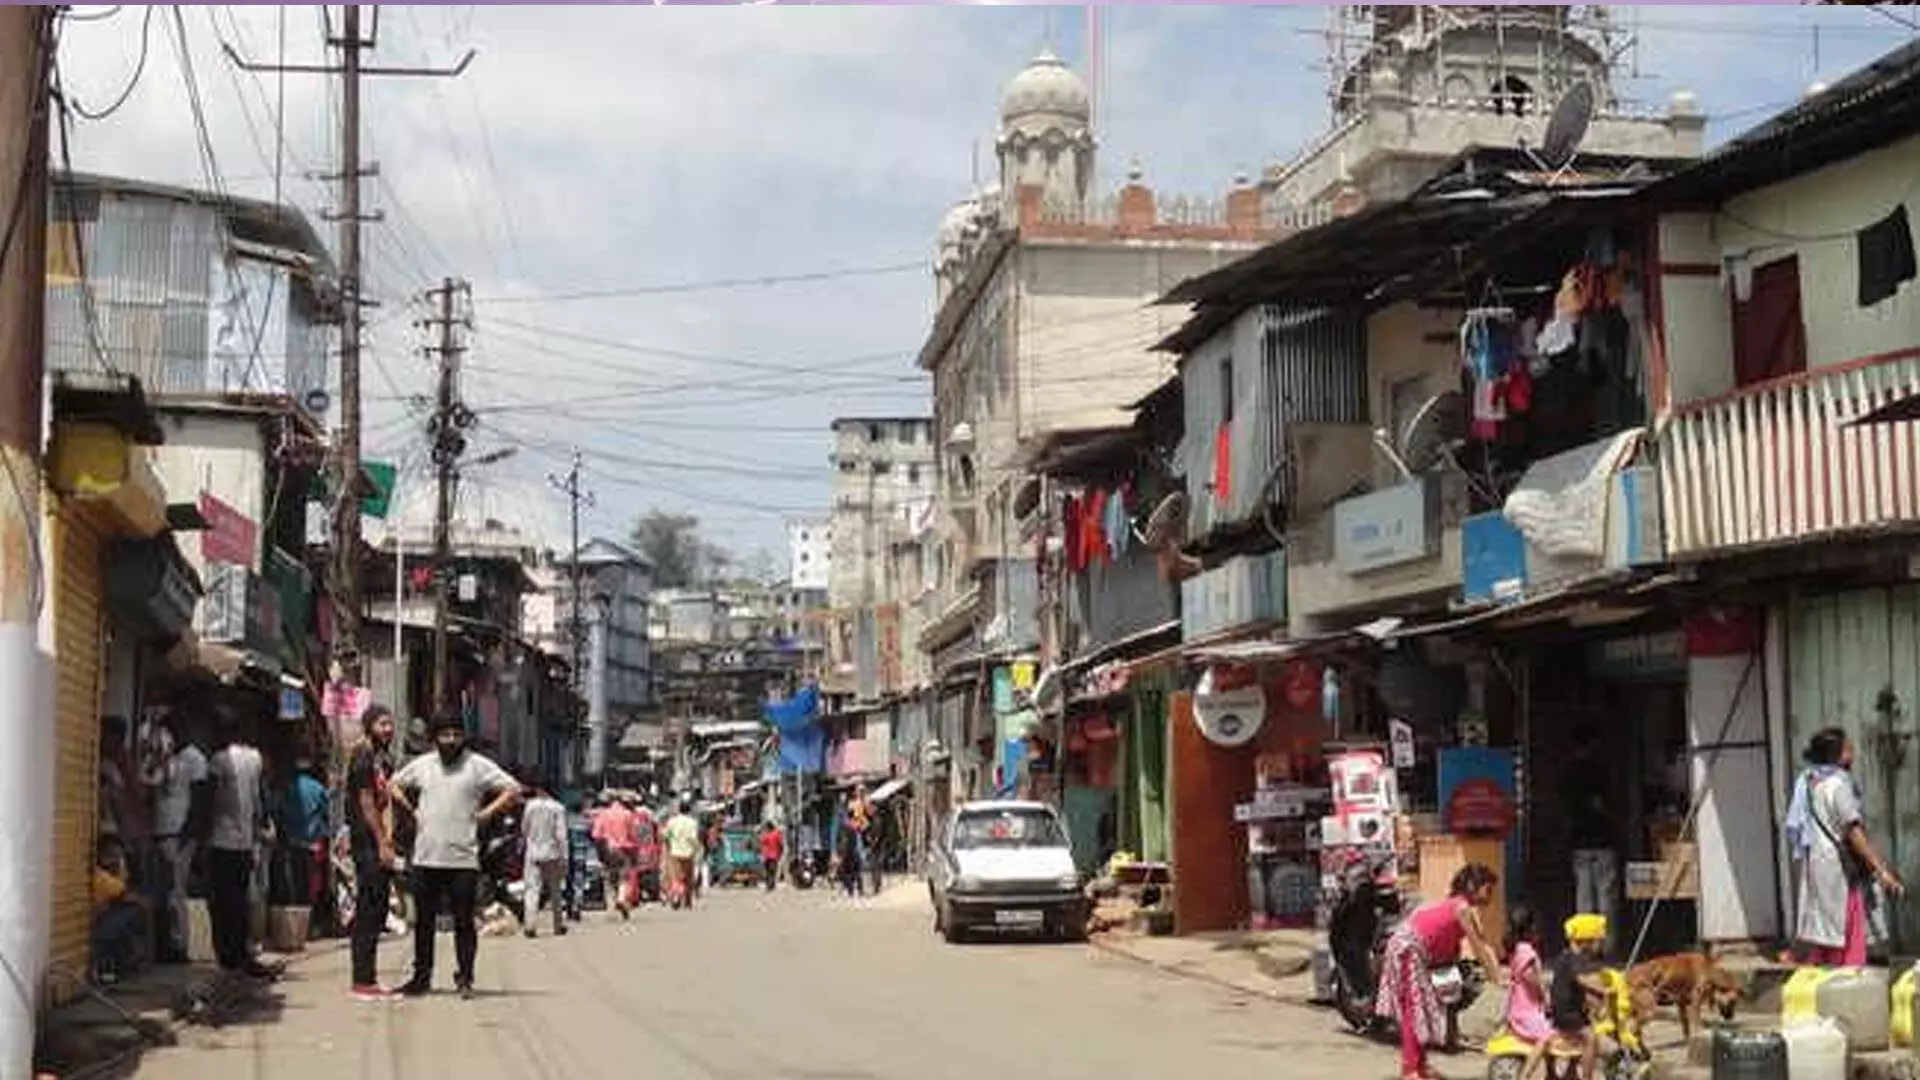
(1839, 865)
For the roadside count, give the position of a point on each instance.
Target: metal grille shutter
(77, 591)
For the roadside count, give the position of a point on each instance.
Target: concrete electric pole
(26, 699)
(353, 40)
(451, 419)
(569, 485)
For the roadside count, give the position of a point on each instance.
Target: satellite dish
(1437, 428)
(1168, 522)
(1567, 126)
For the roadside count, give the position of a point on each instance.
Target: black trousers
(372, 899)
(229, 880)
(769, 872)
(453, 891)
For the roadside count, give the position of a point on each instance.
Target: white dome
(1046, 87)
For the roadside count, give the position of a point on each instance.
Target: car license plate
(1019, 918)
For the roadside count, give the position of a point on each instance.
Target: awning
(1599, 600)
(889, 789)
(1269, 651)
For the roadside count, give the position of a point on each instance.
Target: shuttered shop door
(77, 592)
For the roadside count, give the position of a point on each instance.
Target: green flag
(382, 475)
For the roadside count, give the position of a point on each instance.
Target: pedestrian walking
(616, 828)
(1843, 878)
(683, 854)
(449, 793)
(543, 829)
(773, 845)
(370, 841)
(235, 829)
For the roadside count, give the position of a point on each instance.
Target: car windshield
(1024, 828)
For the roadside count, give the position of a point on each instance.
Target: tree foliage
(681, 557)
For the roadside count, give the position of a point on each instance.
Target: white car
(1006, 865)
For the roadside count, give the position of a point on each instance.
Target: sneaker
(560, 931)
(531, 932)
(416, 987)
(374, 992)
(466, 989)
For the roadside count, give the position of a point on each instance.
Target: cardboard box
(1674, 876)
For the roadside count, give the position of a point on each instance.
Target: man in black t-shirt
(370, 832)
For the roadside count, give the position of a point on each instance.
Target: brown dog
(1691, 982)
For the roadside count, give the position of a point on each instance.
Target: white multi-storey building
(810, 553)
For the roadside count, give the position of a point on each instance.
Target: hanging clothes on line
(1072, 519)
(1118, 525)
(1500, 385)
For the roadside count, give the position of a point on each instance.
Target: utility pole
(451, 418)
(353, 40)
(569, 485)
(26, 699)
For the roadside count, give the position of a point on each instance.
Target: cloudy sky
(647, 156)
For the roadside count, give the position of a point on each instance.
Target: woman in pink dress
(1432, 937)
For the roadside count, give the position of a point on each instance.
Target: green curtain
(1148, 733)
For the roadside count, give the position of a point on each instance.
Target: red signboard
(230, 537)
(1480, 808)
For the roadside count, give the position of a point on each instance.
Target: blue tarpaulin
(803, 742)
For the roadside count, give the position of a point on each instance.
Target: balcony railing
(1778, 462)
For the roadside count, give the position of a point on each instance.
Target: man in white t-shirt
(179, 779)
(235, 828)
(450, 794)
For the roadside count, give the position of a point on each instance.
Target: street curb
(1178, 972)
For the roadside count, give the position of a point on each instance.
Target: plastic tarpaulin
(796, 712)
(803, 743)
(1560, 505)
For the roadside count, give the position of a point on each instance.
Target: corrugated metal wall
(1289, 365)
(1844, 651)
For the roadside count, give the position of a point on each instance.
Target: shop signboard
(1478, 796)
(1640, 656)
(1390, 527)
(230, 536)
(1229, 705)
(1493, 559)
(1400, 738)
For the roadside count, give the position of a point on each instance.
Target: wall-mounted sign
(1390, 527)
(1400, 739)
(1644, 656)
(1229, 705)
(1479, 807)
(293, 703)
(230, 536)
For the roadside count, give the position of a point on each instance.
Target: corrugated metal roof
(1875, 105)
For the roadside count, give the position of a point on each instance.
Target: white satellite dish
(1435, 432)
(1168, 522)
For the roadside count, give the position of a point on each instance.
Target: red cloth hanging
(1095, 534)
(1071, 524)
(1223, 463)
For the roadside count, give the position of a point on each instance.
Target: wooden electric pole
(353, 40)
(26, 698)
(450, 421)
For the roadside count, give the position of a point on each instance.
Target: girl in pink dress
(1526, 987)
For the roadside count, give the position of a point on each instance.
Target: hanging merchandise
(1071, 522)
(1119, 525)
(1222, 464)
(1093, 534)
(1501, 386)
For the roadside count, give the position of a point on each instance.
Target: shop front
(105, 491)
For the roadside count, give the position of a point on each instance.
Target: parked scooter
(502, 862)
(1623, 1055)
(1367, 908)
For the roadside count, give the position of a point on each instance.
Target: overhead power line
(712, 285)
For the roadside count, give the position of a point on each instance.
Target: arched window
(1512, 96)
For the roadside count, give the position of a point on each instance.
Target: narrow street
(797, 986)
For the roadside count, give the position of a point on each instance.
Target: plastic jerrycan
(1750, 1055)
(1860, 1000)
(1816, 1050)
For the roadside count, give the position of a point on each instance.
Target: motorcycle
(801, 873)
(1366, 908)
(502, 862)
(1623, 1054)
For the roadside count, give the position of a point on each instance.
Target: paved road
(797, 986)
